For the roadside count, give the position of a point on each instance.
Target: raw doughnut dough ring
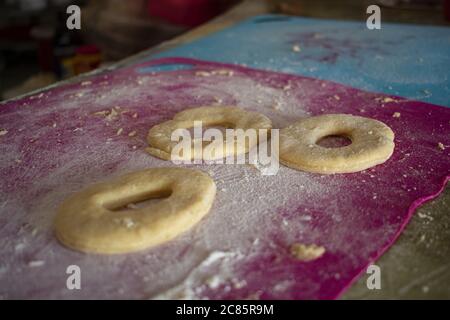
(89, 221)
(372, 144)
(159, 136)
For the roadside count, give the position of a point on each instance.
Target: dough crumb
(213, 282)
(112, 115)
(238, 284)
(441, 146)
(3, 132)
(86, 83)
(424, 216)
(101, 113)
(109, 115)
(305, 252)
(396, 115)
(387, 99)
(276, 105)
(119, 132)
(34, 232)
(135, 115)
(223, 72)
(296, 48)
(337, 97)
(132, 134)
(254, 296)
(202, 73)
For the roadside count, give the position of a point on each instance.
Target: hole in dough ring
(372, 144)
(89, 220)
(159, 136)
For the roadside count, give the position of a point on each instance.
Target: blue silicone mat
(411, 61)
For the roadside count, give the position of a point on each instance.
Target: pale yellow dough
(89, 220)
(305, 252)
(159, 136)
(372, 144)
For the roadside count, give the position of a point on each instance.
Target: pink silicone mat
(57, 142)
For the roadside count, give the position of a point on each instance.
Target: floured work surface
(59, 141)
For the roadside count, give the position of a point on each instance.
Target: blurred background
(37, 49)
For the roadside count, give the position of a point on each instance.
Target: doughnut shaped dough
(372, 144)
(89, 220)
(159, 136)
